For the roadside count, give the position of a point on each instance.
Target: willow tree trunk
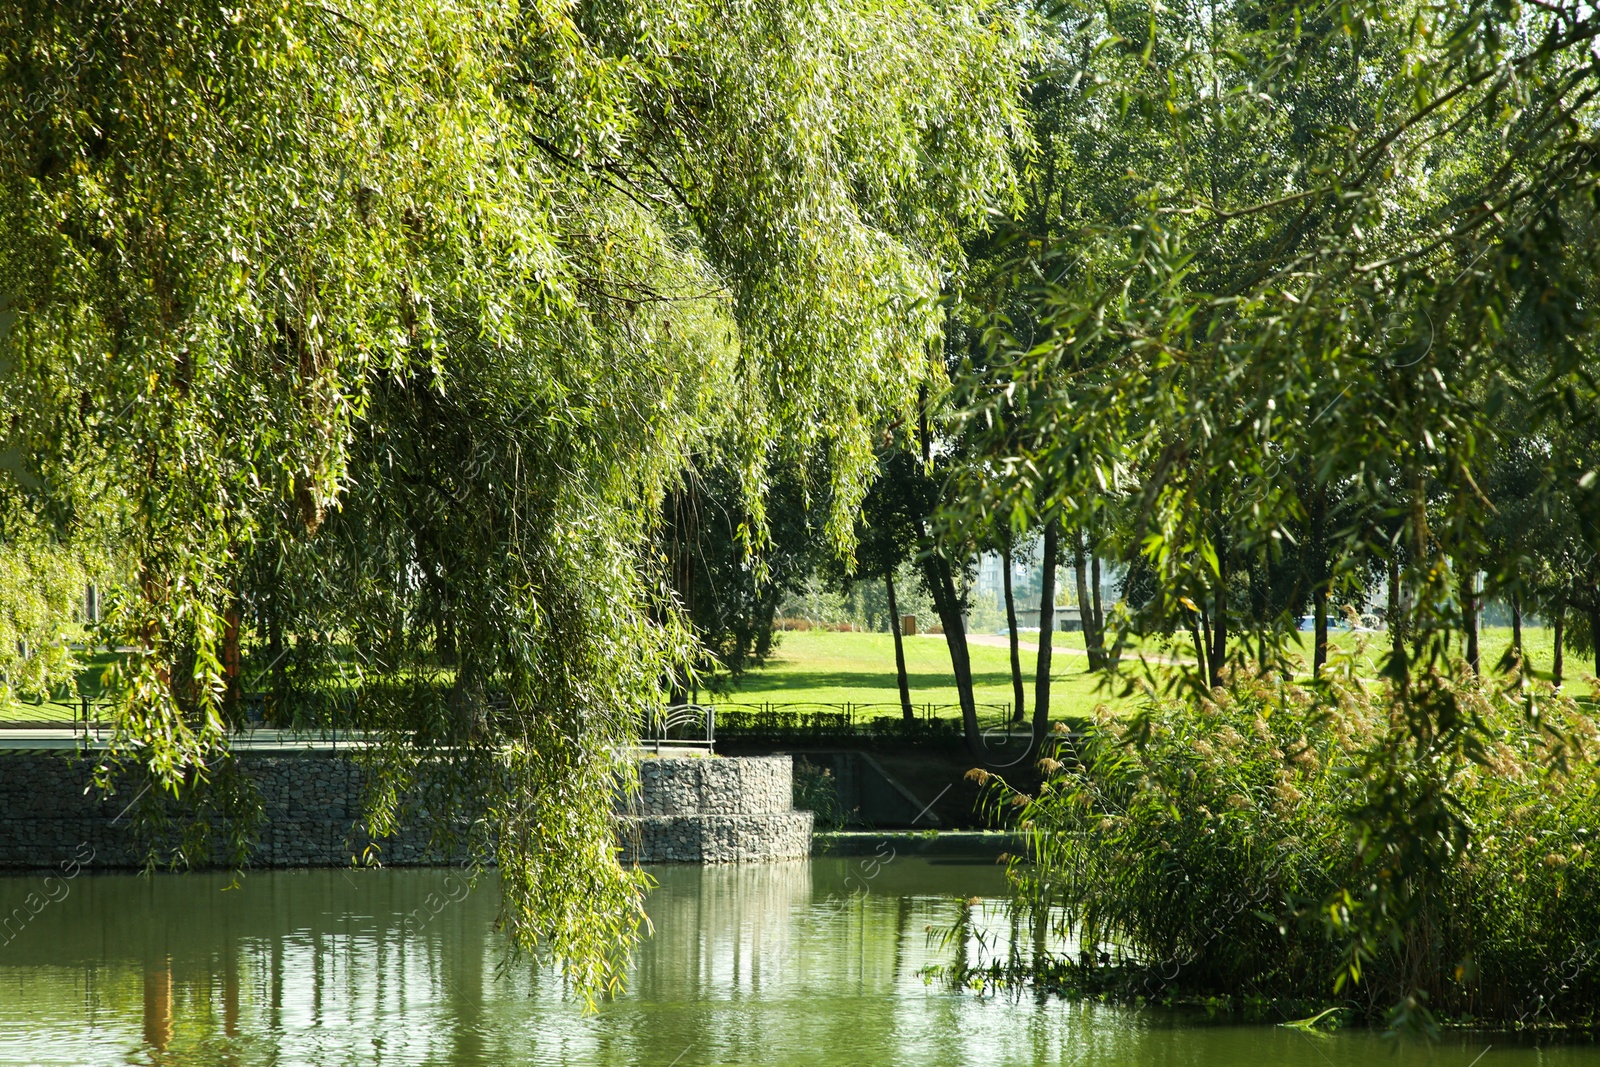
(1516, 627)
(941, 583)
(1217, 653)
(1392, 619)
(1081, 582)
(1469, 617)
(232, 695)
(1196, 626)
(1559, 623)
(275, 714)
(1095, 640)
(1594, 637)
(1047, 621)
(1319, 594)
(1319, 604)
(899, 650)
(1019, 709)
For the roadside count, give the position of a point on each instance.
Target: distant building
(1027, 573)
(1067, 619)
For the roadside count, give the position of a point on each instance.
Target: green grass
(1538, 645)
(858, 668)
(89, 678)
(836, 668)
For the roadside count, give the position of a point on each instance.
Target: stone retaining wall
(311, 801)
(688, 810)
(715, 811)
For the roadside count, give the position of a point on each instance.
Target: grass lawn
(89, 677)
(1538, 645)
(835, 668)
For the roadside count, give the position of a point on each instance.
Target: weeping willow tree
(1295, 276)
(392, 323)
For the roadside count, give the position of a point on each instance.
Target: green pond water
(801, 963)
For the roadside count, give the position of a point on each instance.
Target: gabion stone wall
(312, 801)
(688, 810)
(696, 810)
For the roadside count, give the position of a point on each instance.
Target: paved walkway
(66, 738)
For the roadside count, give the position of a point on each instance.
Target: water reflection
(799, 963)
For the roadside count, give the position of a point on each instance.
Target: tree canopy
(390, 326)
(1304, 294)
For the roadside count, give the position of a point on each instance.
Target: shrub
(816, 790)
(1245, 844)
(819, 726)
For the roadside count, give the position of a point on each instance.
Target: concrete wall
(870, 796)
(689, 810)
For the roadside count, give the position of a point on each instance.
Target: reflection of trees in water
(720, 928)
(783, 964)
(158, 1005)
(325, 966)
(199, 974)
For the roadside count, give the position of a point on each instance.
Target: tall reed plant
(1246, 845)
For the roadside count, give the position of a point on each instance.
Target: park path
(1002, 641)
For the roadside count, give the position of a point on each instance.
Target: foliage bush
(833, 602)
(816, 790)
(41, 588)
(821, 727)
(1236, 845)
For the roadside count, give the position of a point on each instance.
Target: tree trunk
(1217, 654)
(1516, 627)
(1469, 616)
(1560, 626)
(899, 650)
(1195, 629)
(1392, 618)
(1081, 581)
(1095, 640)
(941, 583)
(1258, 603)
(924, 438)
(1594, 637)
(1047, 621)
(1319, 604)
(1319, 594)
(232, 692)
(273, 711)
(1019, 709)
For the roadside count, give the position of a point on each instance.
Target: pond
(803, 963)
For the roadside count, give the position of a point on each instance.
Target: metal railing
(803, 720)
(81, 715)
(865, 711)
(679, 725)
(91, 720)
